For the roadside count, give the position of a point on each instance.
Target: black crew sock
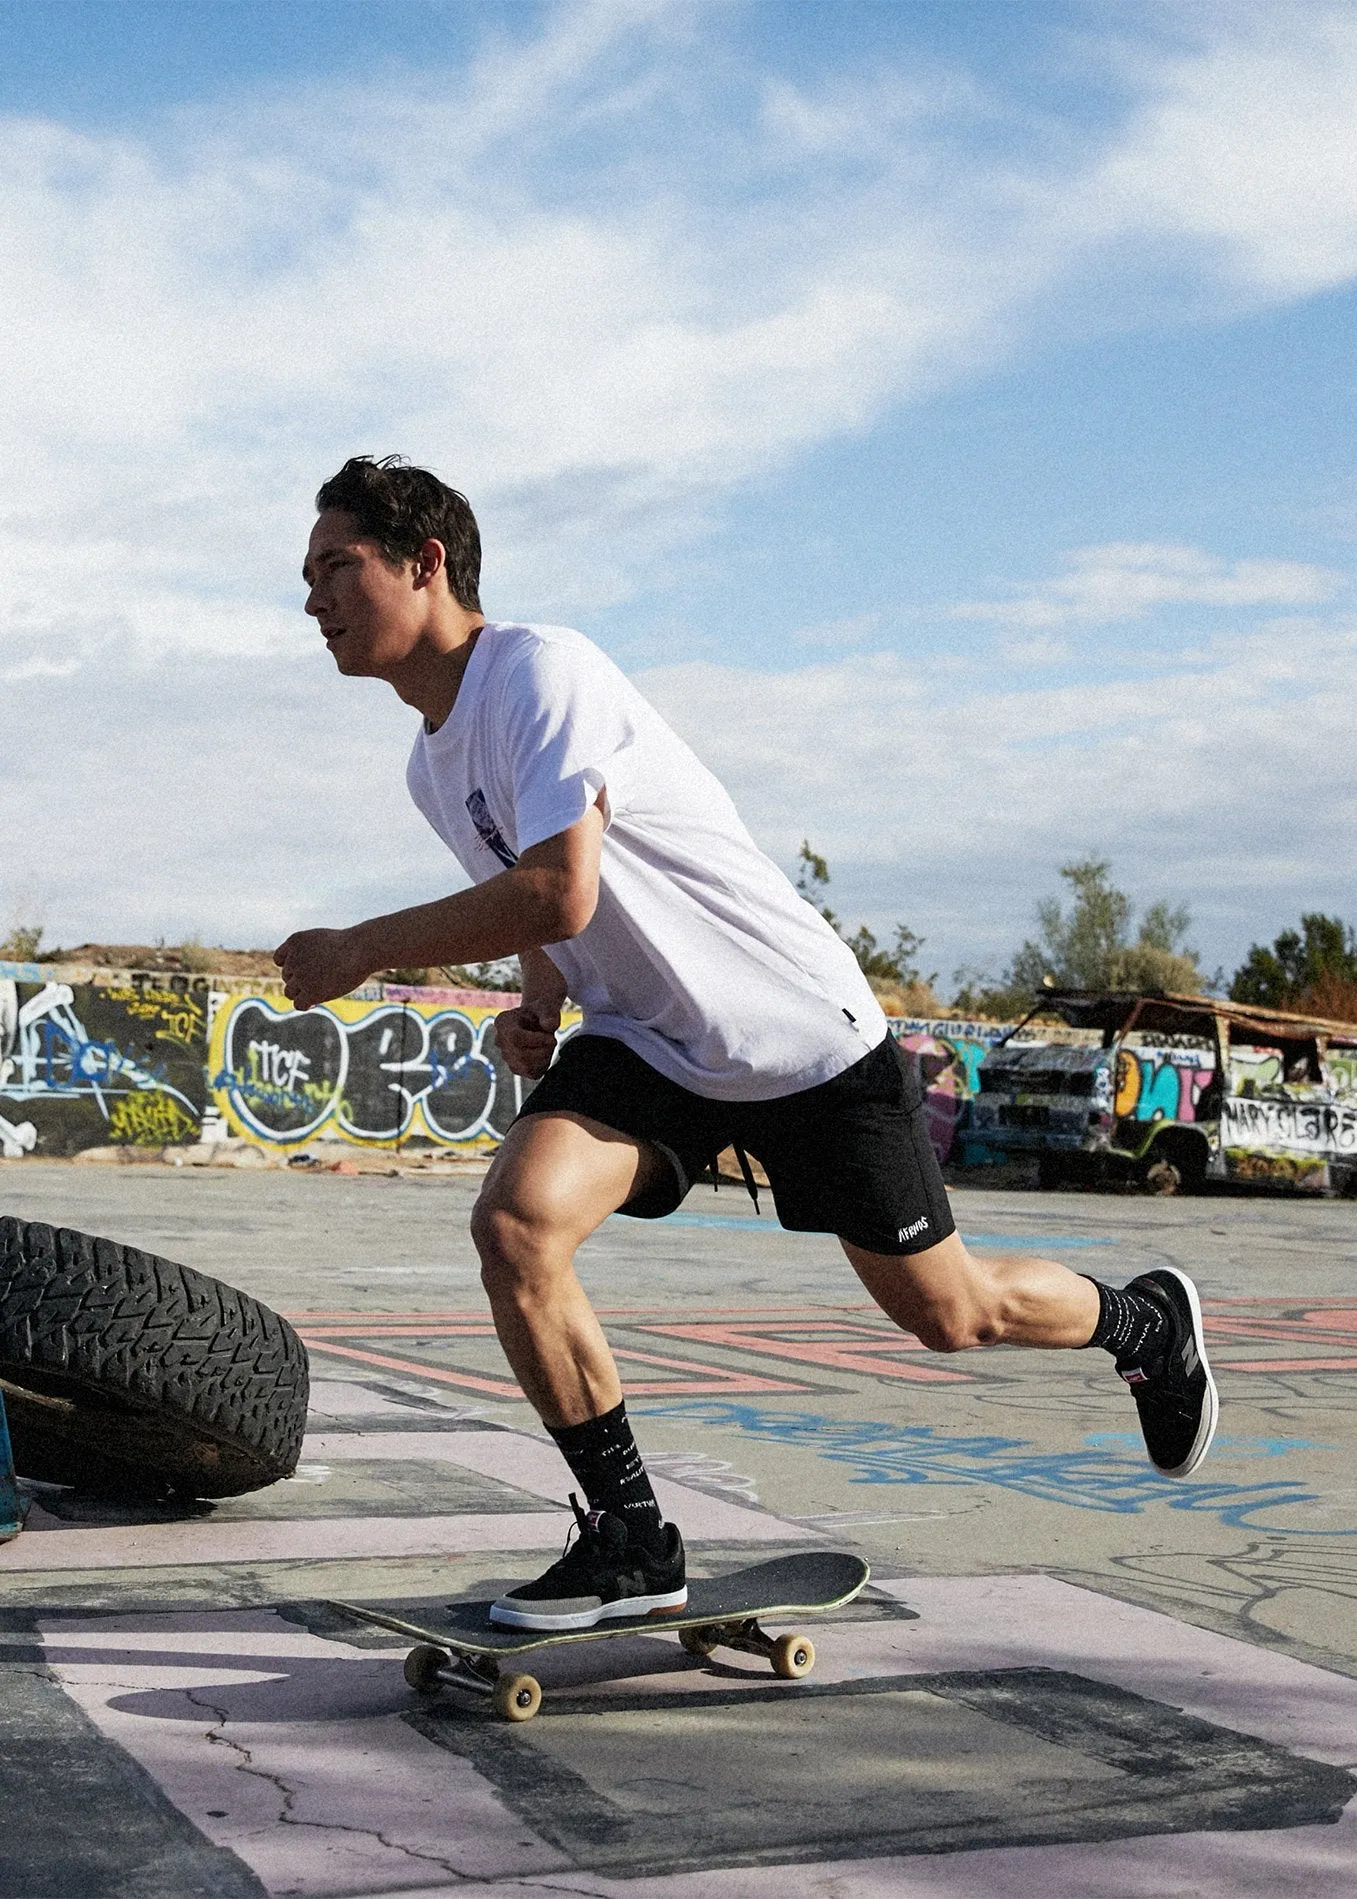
(1133, 1325)
(606, 1464)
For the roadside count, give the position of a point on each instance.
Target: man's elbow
(574, 912)
(575, 906)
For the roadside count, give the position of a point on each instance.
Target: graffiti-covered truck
(1173, 1091)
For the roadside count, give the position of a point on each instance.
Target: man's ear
(430, 561)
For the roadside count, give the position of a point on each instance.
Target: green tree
(23, 943)
(1302, 965)
(877, 963)
(1089, 945)
(812, 880)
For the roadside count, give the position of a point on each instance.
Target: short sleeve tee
(700, 955)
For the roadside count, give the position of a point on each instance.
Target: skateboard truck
(792, 1656)
(513, 1697)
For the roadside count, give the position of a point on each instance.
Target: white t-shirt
(700, 955)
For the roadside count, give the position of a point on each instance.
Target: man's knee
(965, 1311)
(494, 1230)
(948, 1299)
(954, 1324)
(506, 1233)
(523, 1238)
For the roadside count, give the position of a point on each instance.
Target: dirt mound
(179, 959)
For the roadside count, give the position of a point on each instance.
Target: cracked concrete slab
(290, 1751)
(308, 1758)
(1009, 1507)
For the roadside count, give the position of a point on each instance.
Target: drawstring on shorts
(745, 1169)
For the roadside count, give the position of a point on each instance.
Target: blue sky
(945, 413)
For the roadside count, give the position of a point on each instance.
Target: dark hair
(400, 507)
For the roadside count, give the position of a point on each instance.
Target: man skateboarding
(719, 1009)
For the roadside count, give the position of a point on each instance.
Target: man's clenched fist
(318, 965)
(526, 1037)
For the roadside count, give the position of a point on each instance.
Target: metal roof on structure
(1173, 1014)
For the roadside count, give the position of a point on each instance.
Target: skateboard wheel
(699, 1642)
(516, 1698)
(422, 1667)
(793, 1656)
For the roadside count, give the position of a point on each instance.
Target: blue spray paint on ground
(747, 1223)
(1096, 1477)
(1050, 1242)
(1225, 1442)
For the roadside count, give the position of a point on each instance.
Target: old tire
(127, 1374)
(1162, 1176)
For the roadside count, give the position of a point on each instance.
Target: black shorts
(851, 1156)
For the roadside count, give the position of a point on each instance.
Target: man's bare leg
(952, 1301)
(556, 1179)
(1153, 1328)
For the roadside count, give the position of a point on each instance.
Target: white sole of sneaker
(507, 1617)
(1206, 1430)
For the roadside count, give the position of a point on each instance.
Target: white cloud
(230, 796)
(855, 629)
(1245, 142)
(1228, 778)
(604, 280)
(1040, 650)
(1124, 581)
(196, 324)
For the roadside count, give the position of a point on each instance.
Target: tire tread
(132, 1327)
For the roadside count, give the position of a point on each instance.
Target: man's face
(372, 614)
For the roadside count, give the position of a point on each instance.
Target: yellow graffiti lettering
(1128, 1083)
(150, 1119)
(177, 1018)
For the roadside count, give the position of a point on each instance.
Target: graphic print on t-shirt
(488, 830)
(700, 956)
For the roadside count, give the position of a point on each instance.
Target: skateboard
(460, 1647)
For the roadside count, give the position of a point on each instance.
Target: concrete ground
(1069, 1676)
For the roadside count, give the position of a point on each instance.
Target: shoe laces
(582, 1539)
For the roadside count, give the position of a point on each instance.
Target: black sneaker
(602, 1574)
(1175, 1394)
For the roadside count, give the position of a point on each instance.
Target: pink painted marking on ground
(1286, 1364)
(289, 1750)
(713, 1378)
(871, 1356)
(414, 1368)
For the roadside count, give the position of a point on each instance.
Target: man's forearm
(547, 897)
(519, 910)
(543, 984)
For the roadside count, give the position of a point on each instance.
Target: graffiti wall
(1163, 1084)
(949, 1054)
(101, 1064)
(405, 1066)
(159, 1060)
(139, 1060)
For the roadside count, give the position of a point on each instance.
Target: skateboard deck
(460, 1647)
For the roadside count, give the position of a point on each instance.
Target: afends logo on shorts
(919, 1226)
